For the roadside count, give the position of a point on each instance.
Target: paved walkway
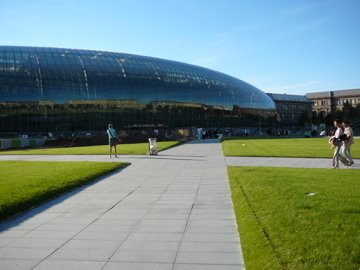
(172, 211)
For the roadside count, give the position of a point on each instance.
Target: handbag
(343, 137)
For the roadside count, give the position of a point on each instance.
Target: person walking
(113, 139)
(348, 142)
(199, 132)
(337, 146)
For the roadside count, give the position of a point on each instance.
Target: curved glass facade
(53, 89)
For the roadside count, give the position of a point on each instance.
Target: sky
(279, 46)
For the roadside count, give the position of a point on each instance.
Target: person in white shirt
(337, 155)
(348, 142)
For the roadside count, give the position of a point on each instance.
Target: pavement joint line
(186, 225)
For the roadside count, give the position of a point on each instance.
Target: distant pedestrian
(348, 142)
(199, 132)
(204, 133)
(337, 145)
(113, 139)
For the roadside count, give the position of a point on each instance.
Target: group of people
(341, 141)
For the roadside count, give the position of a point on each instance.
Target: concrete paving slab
(91, 244)
(73, 219)
(116, 222)
(6, 241)
(102, 235)
(145, 256)
(13, 233)
(206, 222)
(7, 264)
(61, 227)
(159, 229)
(211, 229)
(82, 254)
(162, 237)
(209, 258)
(211, 237)
(25, 253)
(161, 222)
(169, 216)
(68, 265)
(187, 266)
(39, 234)
(131, 245)
(221, 247)
(138, 266)
(37, 243)
(108, 228)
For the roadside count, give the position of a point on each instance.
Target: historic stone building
(290, 107)
(330, 101)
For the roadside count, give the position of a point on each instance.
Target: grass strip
(285, 147)
(297, 218)
(122, 149)
(24, 184)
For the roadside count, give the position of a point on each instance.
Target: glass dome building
(55, 89)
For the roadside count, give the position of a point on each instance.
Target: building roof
(346, 93)
(286, 97)
(335, 93)
(318, 95)
(60, 74)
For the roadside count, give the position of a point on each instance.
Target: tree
(353, 115)
(357, 110)
(304, 119)
(329, 119)
(321, 117)
(338, 114)
(314, 118)
(346, 110)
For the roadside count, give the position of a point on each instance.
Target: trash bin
(152, 146)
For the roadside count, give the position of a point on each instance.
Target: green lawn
(24, 184)
(122, 149)
(283, 228)
(292, 147)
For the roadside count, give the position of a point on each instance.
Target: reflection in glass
(51, 89)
